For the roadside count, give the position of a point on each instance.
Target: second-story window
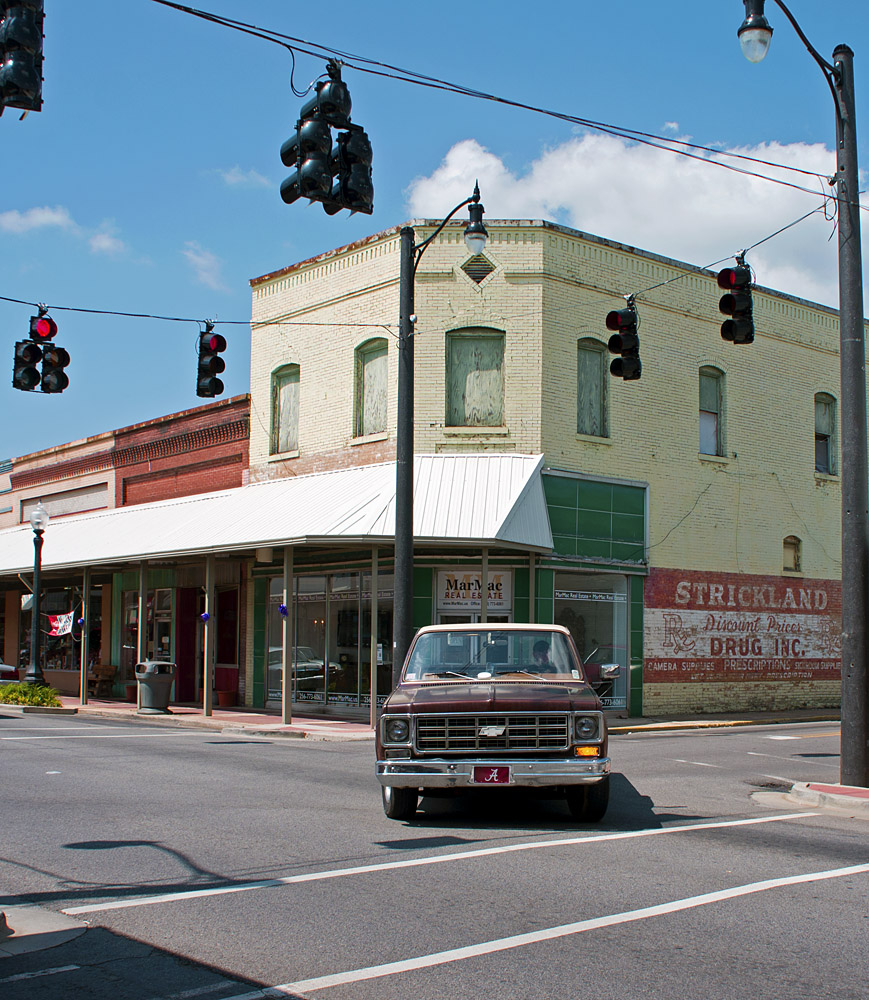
(285, 410)
(475, 378)
(371, 380)
(591, 384)
(792, 554)
(711, 407)
(825, 434)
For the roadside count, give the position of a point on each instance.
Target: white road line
(547, 934)
(699, 763)
(782, 737)
(436, 859)
(775, 756)
(42, 972)
(107, 736)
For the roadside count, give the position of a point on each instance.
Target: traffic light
(309, 151)
(210, 363)
(21, 54)
(626, 343)
(25, 374)
(736, 303)
(351, 161)
(42, 328)
(54, 360)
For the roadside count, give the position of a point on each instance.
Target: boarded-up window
(791, 555)
(475, 379)
(825, 434)
(371, 373)
(591, 381)
(285, 410)
(711, 391)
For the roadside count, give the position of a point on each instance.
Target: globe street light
(475, 239)
(755, 34)
(39, 522)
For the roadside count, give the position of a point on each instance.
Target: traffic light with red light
(314, 160)
(42, 328)
(211, 365)
(21, 54)
(25, 374)
(626, 342)
(736, 304)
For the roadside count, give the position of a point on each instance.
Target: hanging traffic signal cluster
(21, 54)
(739, 329)
(211, 364)
(338, 177)
(28, 353)
(626, 342)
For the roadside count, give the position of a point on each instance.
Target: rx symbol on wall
(676, 636)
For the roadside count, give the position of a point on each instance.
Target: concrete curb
(661, 726)
(846, 797)
(34, 929)
(34, 710)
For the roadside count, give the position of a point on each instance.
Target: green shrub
(29, 694)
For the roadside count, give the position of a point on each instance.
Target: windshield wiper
(451, 673)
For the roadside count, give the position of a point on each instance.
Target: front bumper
(441, 773)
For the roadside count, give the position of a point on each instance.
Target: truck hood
(502, 696)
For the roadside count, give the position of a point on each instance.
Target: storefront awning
(467, 500)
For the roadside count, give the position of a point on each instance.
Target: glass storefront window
(594, 609)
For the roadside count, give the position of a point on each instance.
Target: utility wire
(665, 143)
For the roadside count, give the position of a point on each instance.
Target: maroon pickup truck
(493, 706)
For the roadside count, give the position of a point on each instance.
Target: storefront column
(373, 651)
(142, 629)
(85, 635)
(208, 639)
(288, 652)
(484, 587)
(532, 590)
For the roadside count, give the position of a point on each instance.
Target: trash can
(155, 679)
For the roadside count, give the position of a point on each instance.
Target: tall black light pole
(39, 522)
(475, 239)
(754, 35)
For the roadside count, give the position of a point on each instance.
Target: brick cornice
(118, 458)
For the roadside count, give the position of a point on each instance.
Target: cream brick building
(705, 520)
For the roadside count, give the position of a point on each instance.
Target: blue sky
(149, 183)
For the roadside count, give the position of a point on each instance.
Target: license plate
(491, 776)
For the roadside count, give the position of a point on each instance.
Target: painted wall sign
(732, 627)
(460, 589)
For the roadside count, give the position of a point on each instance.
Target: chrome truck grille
(468, 733)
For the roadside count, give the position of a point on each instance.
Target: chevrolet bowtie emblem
(492, 730)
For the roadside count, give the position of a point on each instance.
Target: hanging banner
(60, 624)
(460, 590)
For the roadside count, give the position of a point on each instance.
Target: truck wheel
(399, 803)
(588, 803)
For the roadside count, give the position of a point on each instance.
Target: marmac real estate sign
(735, 627)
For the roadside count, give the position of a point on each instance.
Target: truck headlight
(396, 731)
(586, 727)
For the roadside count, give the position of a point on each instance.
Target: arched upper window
(792, 554)
(371, 383)
(285, 410)
(711, 411)
(591, 387)
(475, 378)
(825, 433)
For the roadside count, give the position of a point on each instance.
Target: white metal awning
(467, 500)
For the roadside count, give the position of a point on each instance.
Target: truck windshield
(490, 653)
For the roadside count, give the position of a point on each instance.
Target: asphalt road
(217, 867)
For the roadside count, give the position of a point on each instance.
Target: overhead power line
(379, 68)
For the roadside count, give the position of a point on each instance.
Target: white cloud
(236, 177)
(658, 201)
(106, 242)
(35, 218)
(205, 264)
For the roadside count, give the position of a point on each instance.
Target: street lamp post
(755, 34)
(475, 239)
(39, 522)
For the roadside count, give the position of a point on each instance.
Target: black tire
(399, 803)
(588, 803)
